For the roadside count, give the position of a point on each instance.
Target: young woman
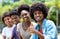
(22, 28)
(7, 31)
(45, 29)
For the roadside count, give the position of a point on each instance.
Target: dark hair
(23, 7)
(39, 7)
(5, 14)
(14, 13)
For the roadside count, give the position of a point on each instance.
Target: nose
(37, 14)
(24, 16)
(10, 20)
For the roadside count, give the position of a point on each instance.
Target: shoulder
(50, 23)
(19, 24)
(4, 28)
(34, 24)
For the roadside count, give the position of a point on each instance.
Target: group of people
(40, 28)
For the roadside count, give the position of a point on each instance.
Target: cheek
(28, 15)
(6, 22)
(17, 19)
(35, 17)
(42, 16)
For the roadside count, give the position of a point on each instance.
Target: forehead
(6, 17)
(24, 12)
(38, 11)
(14, 16)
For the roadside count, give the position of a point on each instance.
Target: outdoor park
(52, 5)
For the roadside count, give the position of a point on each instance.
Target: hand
(31, 29)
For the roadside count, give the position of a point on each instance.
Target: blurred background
(53, 7)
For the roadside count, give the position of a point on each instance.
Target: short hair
(38, 7)
(14, 13)
(23, 7)
(5, 14)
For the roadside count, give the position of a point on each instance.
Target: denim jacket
(48, 28)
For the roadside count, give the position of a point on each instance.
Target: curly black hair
(39, 7)
(23, 7)
(14, 13)
(5, 14)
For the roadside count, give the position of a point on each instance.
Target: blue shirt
(49, 30)
(15, 33)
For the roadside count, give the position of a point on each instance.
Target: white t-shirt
(7, 32)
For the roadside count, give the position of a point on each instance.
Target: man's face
(8, 21)
(38, 15)
(15, 19)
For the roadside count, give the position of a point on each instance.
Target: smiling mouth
(25, 18)
(38, 18)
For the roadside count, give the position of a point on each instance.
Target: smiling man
(45, 29)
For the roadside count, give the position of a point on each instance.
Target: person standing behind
(7, 31)
(45, 29)
(15, 19)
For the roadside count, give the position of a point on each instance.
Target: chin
(38, 20)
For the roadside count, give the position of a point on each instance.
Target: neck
(27, 23)
(17, 22)
(9, 26)
(40, 23)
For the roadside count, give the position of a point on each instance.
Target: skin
(15, 19)
(25, 15)
(38, 15)
(26, 21)
(8, 22)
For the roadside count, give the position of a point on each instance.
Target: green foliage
(49, 3)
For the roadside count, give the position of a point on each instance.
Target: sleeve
(51, 31)
(34, 36)
(18, 27)
(13, 33)
(3, 32)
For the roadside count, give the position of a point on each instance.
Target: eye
(15, 18)
(8, 19)
(25, 14)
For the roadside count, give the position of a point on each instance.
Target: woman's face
(8, 21)
(15, 19)
(25, 15)
(38, 15)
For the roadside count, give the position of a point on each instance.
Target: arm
(40, 35)
(19, 36)
(3, 37)
(18, 30)
(51, 31)
(3, 34)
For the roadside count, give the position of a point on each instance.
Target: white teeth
(25, 18)
(38, 18)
